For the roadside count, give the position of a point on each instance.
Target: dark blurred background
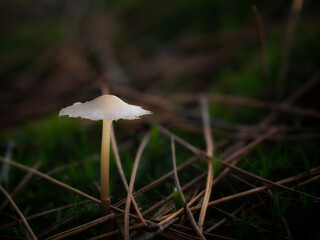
(54, 53)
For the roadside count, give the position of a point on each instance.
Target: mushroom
(106, 108)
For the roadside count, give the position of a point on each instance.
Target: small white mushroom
(106, 108)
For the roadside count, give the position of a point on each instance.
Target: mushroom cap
(105, 107)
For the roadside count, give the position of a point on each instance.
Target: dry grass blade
(124, 181)
(191, 218)
(83, 227)
(20, 185)
(210, 149)
(23, 219)
(45, 176)
(130, 187)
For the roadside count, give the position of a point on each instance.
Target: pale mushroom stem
(104, 169)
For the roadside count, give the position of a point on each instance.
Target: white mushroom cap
(106, 107)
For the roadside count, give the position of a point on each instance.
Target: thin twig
(191, 218)
(23, 219)
(130, 187)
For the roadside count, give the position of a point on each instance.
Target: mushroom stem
(104, 170)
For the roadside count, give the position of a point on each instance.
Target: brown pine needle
(186, 186)
(40, 214)
(308, 181)
(222, 221)
(130, 187)
(248, 102)
(210, 149)
(149, 236)
(45, 176)
(159, 180)
(124, 181)
(23, 219)
(241, 194)
(263, 51)
(83, 227)
(205, 157)
(256, 190)
(284, 220)
(199, 152)
(54, 226)
(187, 209)
(230, 215)
(287, 45)
(113, 233)
(301, 91)
(209, 235)
(117, 158)
(20, 185)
